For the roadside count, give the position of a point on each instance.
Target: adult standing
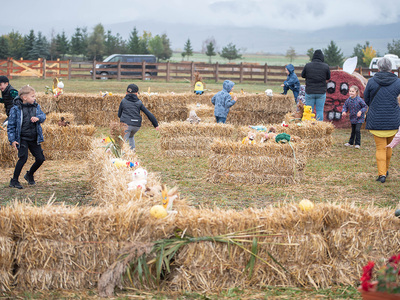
(383, 118)
(316, 74)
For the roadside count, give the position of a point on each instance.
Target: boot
(28, 177)
(15, 184)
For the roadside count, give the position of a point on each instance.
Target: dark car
(135, 70)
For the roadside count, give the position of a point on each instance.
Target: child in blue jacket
(25, 133)
(223, 101)
(291, 82)
(356, 107)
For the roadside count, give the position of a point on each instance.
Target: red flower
(366, 276)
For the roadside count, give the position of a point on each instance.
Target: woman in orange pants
(383, 118)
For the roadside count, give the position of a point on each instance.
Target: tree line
(100, 43)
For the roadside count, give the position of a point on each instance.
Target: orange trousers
(383, 154)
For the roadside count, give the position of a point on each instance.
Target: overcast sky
(304, 15)
(281, 14)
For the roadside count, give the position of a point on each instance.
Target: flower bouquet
(387, 283)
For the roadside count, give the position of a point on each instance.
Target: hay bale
(54, 118)
(265, 163)
(202, 111)
(8, 156)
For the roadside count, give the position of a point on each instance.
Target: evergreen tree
(333, 55)
(206, 42)
(291, 54)
(156, 47)
(4, 47)
(29, 41)
(79, 41)
(358, 51)
(113, 44)
(230, 52)
(62, 44)
(310, 53)
(16, 44)
(53, 46)
(96, 43)
(167, 51)
(188, 49)
(144, 42)
(133, 42)
(394, 47)
(210, 51)
(183, 54)
(41, 47)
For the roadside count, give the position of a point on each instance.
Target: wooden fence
(167, 71)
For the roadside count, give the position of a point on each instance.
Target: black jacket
(129, 111)
(8, 96)
(316, 74)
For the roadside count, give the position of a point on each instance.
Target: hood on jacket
(131, 97)
(318, 55)
(385, 78)
(18, 102)
(228, 85)
(290, 68)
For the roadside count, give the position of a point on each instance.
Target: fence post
(119, 71)
(241, 72)
(360, 70)
(143, 70)
(69, 69)
(94, 70)
(216, 72)
(398, 72)
(168, 74)
(9, 67)
(59, 67)
(44, 68)
(192, 72)
(265, 73)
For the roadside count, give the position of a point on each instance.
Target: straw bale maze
(205, 250)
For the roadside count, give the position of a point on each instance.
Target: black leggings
(355, 133)
(36, 151)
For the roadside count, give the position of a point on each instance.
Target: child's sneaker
(357, 146)
(15, 184)
(348, 145)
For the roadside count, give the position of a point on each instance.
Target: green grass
(271, 60)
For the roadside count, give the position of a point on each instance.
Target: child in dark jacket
(291, 82)
(129, 113)
(356, 108)
(223, 101)
(25, 133)
(8, 93)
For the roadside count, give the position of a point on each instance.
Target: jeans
(383, 154)
(355, 133)
(295, 92)
(317, 102)
(220, 119)
(36, 151)
(129, 135)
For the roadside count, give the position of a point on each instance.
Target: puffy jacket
(292, 81)
(316, 74)
(384, 109)
(15, 122)
(129, 111)
(8, 96)
(223, 100)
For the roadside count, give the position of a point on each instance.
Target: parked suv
(394, 59)
(136, 70)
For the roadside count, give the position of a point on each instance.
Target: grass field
(272, 60)
(341, 175)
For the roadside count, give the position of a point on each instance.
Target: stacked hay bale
(190, 140)
(266, 163)
(203, 111)
(7, 249)
(251, 109)
(8, 156)
(69, 142)
(54, 118)
(316, 137)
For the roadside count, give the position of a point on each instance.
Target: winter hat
(4, 79)
(132, 88)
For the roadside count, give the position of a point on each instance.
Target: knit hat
(3, 79)
(132, 88)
